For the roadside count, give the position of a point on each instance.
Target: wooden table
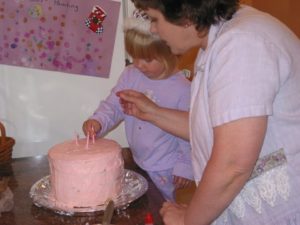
(26, 171)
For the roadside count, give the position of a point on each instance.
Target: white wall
(41, 108)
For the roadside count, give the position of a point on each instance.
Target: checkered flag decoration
(95, 19)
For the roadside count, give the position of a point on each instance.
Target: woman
(244, 120)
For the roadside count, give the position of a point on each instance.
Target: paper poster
(71, 36)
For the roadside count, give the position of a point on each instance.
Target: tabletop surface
(26, 171)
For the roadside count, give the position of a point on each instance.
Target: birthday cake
(85, 173)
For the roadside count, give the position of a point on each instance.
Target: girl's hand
(181, 182)
(91, 127)
(172, 213)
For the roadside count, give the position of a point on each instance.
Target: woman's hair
(140, 43)
(202, 13)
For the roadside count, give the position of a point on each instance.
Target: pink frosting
(83, 177)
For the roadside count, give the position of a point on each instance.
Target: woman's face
(179, 38)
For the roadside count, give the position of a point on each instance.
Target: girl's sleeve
(109, 112)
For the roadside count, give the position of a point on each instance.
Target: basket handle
(3, 135)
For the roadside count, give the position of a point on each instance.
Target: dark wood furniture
(26, 171)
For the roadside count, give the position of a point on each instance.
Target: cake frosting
(85, 175)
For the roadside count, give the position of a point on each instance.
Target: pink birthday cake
(85, 174)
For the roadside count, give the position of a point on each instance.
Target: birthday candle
(93, 136)
(87, 141)
(76, 139)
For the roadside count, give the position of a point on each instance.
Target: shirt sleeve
(243, 78)
(109, 112)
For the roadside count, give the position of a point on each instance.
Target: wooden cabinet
(285, 10)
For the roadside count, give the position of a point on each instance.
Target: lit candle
(87, 141)
(76, 138)
(93, 136)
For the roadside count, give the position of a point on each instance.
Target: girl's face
(152, 68)
(180, 38)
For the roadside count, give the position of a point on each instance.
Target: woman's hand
(140, 106)
(172, 213)
(91, 127)
(136, 104)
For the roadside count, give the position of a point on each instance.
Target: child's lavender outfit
(159, 153)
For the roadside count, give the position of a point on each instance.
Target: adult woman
(245, 111)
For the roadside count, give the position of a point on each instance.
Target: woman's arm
(173, 121)
(235, 151)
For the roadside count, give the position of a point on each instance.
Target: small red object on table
(149, 219)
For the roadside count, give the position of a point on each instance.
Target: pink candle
(87, 141)
(93, 136)
(76, 138)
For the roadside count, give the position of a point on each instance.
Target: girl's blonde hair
(140, 43)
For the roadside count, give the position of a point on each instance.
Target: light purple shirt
(153, 149)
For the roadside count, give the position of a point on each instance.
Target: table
(26, 171)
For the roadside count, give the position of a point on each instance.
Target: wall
(285, 10)
(41, 108)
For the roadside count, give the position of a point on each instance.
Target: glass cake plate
(135, 185)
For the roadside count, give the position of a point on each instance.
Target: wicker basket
(6, 146)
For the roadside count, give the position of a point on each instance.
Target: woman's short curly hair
(202, 13)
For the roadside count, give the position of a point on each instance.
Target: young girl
(165, 157)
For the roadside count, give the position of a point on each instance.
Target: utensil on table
(108, 212)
